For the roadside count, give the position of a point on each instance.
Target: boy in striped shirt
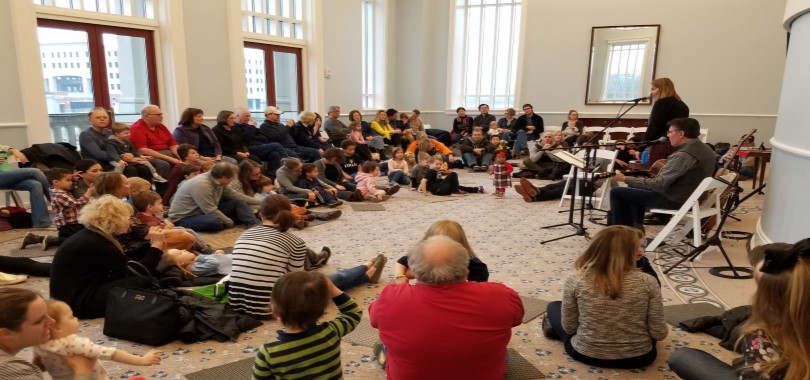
(306, 349)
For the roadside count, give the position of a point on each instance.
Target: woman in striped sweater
(263, 254)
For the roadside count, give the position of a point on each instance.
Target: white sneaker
(11, 279)
(157, 178)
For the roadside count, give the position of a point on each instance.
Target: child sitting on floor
(367, 183)
(434, 183)
(119, 145)
(65, 342)
(418, 171)
(64, 208)
(398, 168)
(199, 265)
(149, 210)
(299, 299)
(324, 194)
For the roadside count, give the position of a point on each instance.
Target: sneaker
(380, 354)
(157, 178)
(392, 190)
(357, 196)
(301, 224)
(31, 239)
(480, 189)
(11, 279)
(372, 199)
(379, 266)
(328, 215)
(324, 256)
(334, 204)
(50, 241)
(484, 168)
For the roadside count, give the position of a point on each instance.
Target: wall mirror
(622, 63)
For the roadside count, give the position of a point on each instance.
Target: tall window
(484, 59)
(278, 18)
(135, 8)
(71, 90)
(368, 41)
(273, 77)
(625, 67)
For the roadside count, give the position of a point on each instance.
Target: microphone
(636, 100)
(656, 141)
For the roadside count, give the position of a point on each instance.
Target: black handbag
(143, 316)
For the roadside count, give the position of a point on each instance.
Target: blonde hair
(57, 310)
(609, 257)
(306, 117)
(106, 213)
(437, 158)
(665, 87)
(172, 256)
(451, 229)
(781, 309)
(138, 184)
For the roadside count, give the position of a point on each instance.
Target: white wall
(12, 118)
(726, 58)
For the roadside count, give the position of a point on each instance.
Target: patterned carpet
(506, 234)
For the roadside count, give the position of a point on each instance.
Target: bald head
(151, 115)
(439, 260)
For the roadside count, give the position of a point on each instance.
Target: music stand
(715, 240)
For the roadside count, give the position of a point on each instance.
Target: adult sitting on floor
(692, 162)
(611, 314)
(153, 139)
(541, 162)
(421, 326)
(476, 270)
(206, 203)
(276, 132)
(477, 151)
(24, 323)
(91, 262)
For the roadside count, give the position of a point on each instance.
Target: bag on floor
(17, 217)
(146, 316)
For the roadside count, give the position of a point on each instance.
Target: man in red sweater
(445, 327)
(153, 139)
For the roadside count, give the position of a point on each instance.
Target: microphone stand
(579, 228)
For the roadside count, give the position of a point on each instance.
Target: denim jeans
(521, 141)
(308, 154)
(345, 279)
(235, 209)
(384, 167)
(627, 205)
(471, 159)
(377, 142)
(272, 153)
(692, 364)
(399, 177)
(34, 182)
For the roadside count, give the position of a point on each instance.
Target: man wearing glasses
(153, 139)
(691, 162)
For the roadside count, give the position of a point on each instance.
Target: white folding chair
(692, 211)
(603, 191)
(11, 195)
(704, 134)
(639, 132)
(618, 133)
(596, 130)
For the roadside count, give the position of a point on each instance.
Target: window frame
(269, 69)
(97, 59)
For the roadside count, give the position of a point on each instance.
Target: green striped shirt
(310, 354)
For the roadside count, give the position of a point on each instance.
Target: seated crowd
(141, 193)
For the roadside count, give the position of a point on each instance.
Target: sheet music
(569, 158)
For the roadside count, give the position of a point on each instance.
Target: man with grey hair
(445, 327)
(207, 203)
(153, 139)
(335, 128)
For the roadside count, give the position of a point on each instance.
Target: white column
(785, 212)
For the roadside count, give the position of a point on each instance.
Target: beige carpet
(506, 235)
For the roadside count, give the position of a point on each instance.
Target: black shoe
(334, 204)
(30, 239)
(324, 256)
(392, 190)
(328, 215)
(548, 332)
(357, 196)
(657, 220)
